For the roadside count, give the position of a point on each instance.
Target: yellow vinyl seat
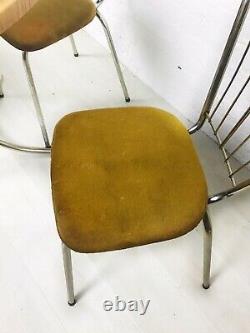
(124, 177)
(48, 21)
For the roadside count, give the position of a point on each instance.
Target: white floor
(33, 296)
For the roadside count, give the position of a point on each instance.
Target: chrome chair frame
(208, 114)
(207, 253)
(111, 47)
(205, 115)
(34, 94)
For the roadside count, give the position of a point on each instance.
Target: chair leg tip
(127, 99)
(72, 304)
(205, 286)
(76, 55)
(1, 95)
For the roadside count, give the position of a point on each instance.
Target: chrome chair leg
(26, 149)
(114, 55)
(207, 251)
(35, 99)
(68, 274)
(73, 44)
(1, 87)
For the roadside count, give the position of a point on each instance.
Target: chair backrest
(227, 106)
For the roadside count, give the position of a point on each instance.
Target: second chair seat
(124, 177)
(48, 22)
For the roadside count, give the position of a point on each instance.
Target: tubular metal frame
(36, 100)
(28, 149)
(34, 94)
(207, 250)
(114, 55)
(231, 42)
(112, 49)
(73, 44)
(67, 261)
(207, 253)
(205, 115)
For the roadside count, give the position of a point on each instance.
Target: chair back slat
(236, 127)
(231, 81)
(238, 147)
(227, 109)
(239, 169)
(233, 104)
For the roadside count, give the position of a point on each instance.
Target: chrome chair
(42, 26)
(122, 184)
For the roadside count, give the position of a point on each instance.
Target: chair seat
(49, 21)
(124, 177)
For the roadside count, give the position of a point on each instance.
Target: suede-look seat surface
(48, 21)
(124, 177)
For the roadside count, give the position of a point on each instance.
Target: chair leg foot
(1, 95)
(73, 44)
(114, 55)
(207, 252)
(72, 304)
(205, 286)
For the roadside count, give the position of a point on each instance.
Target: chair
(46, 23)
(126, 177)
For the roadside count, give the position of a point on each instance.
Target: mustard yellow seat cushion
(48, 21)
(124, 177)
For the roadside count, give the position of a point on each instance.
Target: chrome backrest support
(228, 50)
(213, 109)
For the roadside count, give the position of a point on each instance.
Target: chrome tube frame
(67, 262)
(207, 250)
(14, 146)
(35, 95)
(205, 113)
(26, 149)
(35, 99)
(73, 44)
(224, 152)
(236, 127)
(207, 254)
(229, 193)
(114, 55)
(208, 234)
(72, 40)
(231, 42)
(112, 49)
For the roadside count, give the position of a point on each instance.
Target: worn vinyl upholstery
(124, 177)
(48, 21)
